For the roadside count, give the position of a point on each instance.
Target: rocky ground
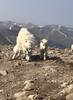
(38, 79)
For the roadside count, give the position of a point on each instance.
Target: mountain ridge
(58, 36)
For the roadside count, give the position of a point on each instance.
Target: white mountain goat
(43, 48)
(25, 42)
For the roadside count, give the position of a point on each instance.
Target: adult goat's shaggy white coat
(25, 42)
(43, 48)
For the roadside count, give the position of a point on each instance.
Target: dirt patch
(47, 75)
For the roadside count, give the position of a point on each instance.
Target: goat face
(43, 45)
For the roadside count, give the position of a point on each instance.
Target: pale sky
(41, 12)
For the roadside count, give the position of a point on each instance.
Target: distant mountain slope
(57, 35)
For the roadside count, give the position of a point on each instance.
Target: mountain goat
(25, 42)
(43, 48)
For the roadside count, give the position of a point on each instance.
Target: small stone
(31, 97)
(68, 89)
(3, 72)
(1, 91)
(64, 84)
(29, 85)
(53, 81)
(20, 96)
